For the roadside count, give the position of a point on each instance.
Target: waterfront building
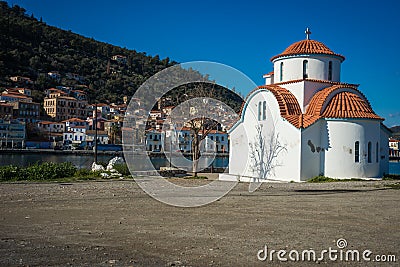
(154, 140)
(75, 135)
(102, 137)
(394, 148)
(306, 122)
(113, 129)
(74, 122)
(12, 133)
(216, 141)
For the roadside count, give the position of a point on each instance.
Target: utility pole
(95, 132)
(170, 151)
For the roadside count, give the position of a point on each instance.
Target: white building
(305, 122)
(75, 122)
(216, 141)
(154, 140)
(51, 126)
(394, 148)
(102, 137)
(75, 135)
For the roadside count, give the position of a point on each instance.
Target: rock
(104, 175)
(113, 161)
(97, 167)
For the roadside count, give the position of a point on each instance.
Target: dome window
(305, 69)
(330, 70)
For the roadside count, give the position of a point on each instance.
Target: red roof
(307, 47)
(337, 101)
(74, 120)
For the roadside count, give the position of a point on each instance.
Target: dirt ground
(114, 223)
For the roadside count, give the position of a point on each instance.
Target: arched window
(305, 69)
(369, 152)
(377, 152)
(264, 110)
(330, 70)
(281, 72)
(357, 151)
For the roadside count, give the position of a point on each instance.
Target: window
(222, 139)
(377, 152)
(212, 137)
(151, 138)
(151, 147)
(281, 72)
(330, 70)
(369, 152)
(305, 69)
(264, 110)
(217, 138)
(357, 151)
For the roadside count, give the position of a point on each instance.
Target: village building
(394, 148)
(154, 140)
(60, 106)
(305, 122)
(102, 137)
(216, 141)
(12, 134)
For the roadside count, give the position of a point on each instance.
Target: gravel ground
(115, 223)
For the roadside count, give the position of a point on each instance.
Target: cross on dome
(307, 32)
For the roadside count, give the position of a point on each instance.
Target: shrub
(391, 177)
(87, 174)
(9, 173)
(44, 171)
(321, 179)
(122, 168)
(49, 171)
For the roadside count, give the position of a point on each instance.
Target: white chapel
(305, 122)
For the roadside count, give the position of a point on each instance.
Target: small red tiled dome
(307, 47)
(349, 105)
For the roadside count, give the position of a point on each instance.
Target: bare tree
(264, 152)
(200, 110)
(201, 126)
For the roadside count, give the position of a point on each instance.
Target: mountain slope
(29, 47)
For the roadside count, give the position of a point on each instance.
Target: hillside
(29, 47)
(395, 131)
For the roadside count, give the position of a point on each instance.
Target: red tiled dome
(349, 105)
(344, 104)
(307, 47)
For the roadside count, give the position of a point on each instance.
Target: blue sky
(246, 34)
